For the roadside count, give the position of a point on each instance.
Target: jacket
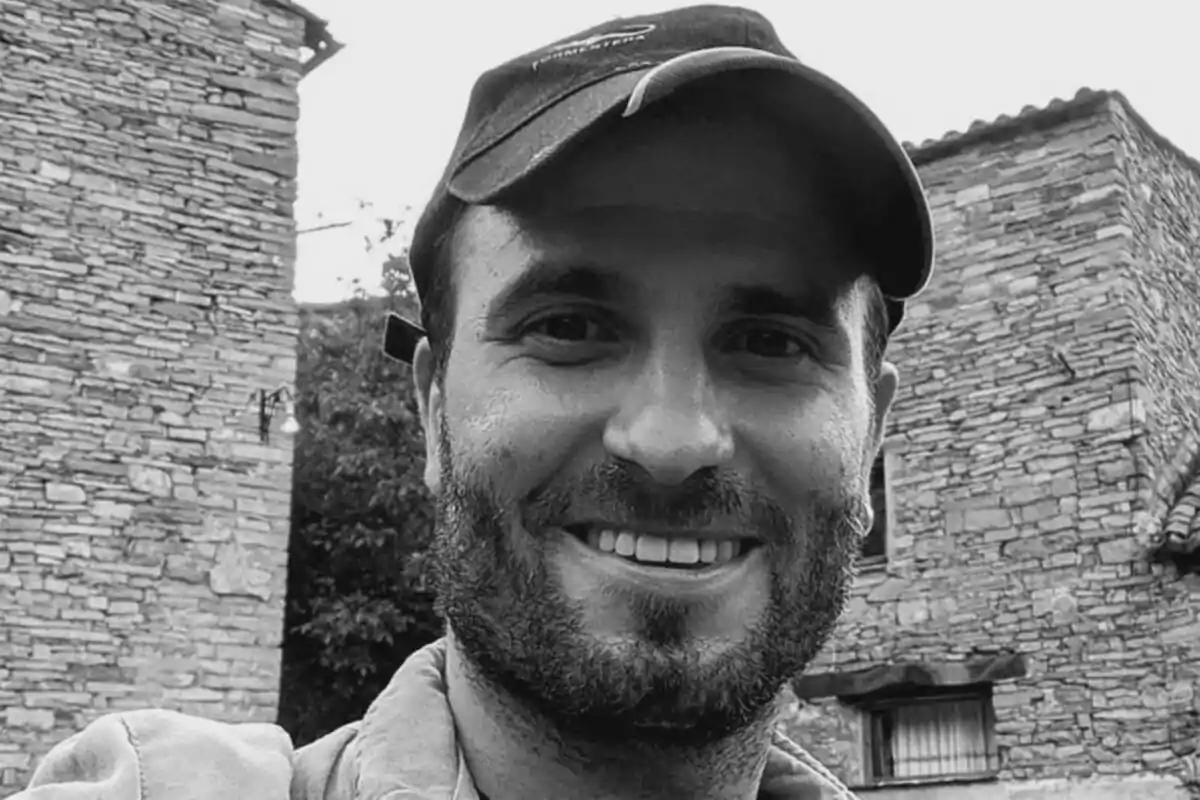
(164, 755)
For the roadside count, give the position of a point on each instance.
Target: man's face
(650, 444)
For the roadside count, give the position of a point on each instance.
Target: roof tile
(1085, 101)
(1181, 530)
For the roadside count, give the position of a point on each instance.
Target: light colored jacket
(404, 748)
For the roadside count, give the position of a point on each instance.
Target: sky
(378, 120)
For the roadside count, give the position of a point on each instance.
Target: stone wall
(1017, 464)
(147, 175)
(1163, 212)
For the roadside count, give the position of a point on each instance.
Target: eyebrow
(551, 278)
(546, 278)
(815, 304)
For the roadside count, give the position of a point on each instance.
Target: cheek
(514, 435)
(817, 447)
(485, 432)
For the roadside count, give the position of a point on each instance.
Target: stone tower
(147, 176)
(1031, 610)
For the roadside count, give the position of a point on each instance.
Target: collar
(406, 747)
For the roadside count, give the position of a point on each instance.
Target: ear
(430, 404)
(885, 392)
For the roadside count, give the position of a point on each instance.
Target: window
(940, 735)
(874, 546)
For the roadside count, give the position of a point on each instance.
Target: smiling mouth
(678, 552)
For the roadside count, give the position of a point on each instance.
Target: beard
(519, 632)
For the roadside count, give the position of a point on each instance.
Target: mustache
(619, 492)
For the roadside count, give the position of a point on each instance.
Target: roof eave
(316, 35)
(1086, 102)
(1031, 118)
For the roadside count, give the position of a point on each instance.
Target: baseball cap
(523, 114)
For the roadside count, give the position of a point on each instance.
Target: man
(657, 280)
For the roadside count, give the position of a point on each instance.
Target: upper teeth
(660, 549)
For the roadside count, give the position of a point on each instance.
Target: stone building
(1026, 626)
(147, 177)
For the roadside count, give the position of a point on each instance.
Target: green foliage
(358, 600)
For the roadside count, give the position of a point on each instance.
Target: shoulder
(325, 769)
(166, 754)
(793, 772)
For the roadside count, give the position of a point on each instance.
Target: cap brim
(521, 153)
(873, 169)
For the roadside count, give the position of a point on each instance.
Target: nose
(671, 424)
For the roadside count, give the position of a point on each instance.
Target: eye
(569, 327)
(568, 337)
(766, 342)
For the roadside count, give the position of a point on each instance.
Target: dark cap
(525, 112)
